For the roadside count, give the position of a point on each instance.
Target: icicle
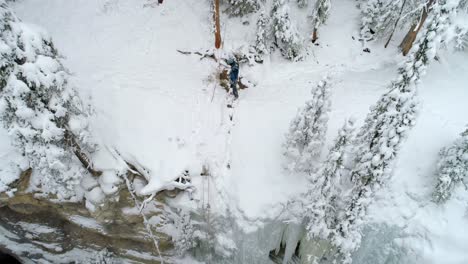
(291, 237)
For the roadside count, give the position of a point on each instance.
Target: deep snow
(154, 106)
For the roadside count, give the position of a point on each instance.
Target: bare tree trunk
(314, 35)
(217, 25)
(410, 37)
(396, 23)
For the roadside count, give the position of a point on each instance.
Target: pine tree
(324, 198)
(448, 10)
(302, 3)
(369, 13)
(463, 6)
(286, 36)
(306, 135)
(380, 138)
(319, 16)
(457, 34)
(380, 17)
(242, 7)
(262, 37)
(461, 38)
(418, 24)
(39, 108)
(452, 168)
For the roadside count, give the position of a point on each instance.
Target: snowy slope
(155, 107)
(441, 119)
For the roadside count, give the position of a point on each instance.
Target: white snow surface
(154, 106)
(11, 163)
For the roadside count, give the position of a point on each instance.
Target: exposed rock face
(36, 228)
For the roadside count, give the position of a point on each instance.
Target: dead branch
(80, 154)
(207, 54)
(184, 52)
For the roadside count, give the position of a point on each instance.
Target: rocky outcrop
(35, 227)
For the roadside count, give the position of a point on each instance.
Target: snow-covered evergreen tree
(461, 38)
(277, 31)
(302, 3)
(457, 34)
(463, 5)
(369, 11)
(262, 37)
(38, 107)
(452, 168)
(378, 16)
(319, 16)
(381, 17)
(324, 199)
(286, 36)
(454, 25)
(385, 127)
(306, 135)
(242, 7)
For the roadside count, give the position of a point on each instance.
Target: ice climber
(233, 75)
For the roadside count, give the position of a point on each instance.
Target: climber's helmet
(230, 60)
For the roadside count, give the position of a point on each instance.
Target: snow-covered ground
(442, 236)
(159, 107)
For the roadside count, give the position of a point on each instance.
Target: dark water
(6, 258)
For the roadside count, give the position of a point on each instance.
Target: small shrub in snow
(452, 168)
(38, 107)
(307, 130)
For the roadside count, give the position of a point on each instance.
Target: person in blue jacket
(233, 75)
